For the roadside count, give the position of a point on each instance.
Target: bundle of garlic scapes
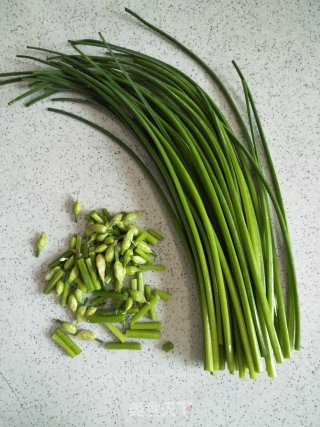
(214, 186)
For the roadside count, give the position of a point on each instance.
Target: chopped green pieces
(144, 334)
(123, 346)
(100, 279)
(146, 325)
(163, 294)
(66, 343)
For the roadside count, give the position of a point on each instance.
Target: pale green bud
(81, 313)
(69, 327)
(90, 311)
(144, 247)
(59, 288)
(131, 270)
(96, 217)
(138, 259)
(41, 243)
(74, 274)
(72, 303)
(76, 209)
(131, 216)
(78, 295)
(101, 266)
(101, 248)
(137, 296)
(86, 335)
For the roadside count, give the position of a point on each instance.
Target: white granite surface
(46, 159)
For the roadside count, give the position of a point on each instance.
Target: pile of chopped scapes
(101, 279)
(214, 186)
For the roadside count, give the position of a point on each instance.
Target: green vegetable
(143, 256)
(146, 325)
(101, 248)
(74, 275)
(72, 303)
(128, 305)
(78, 295)
(90, 311)
(134, 284)
(131, 216)
(110, 253)
(66, 343)
(155, 234)
(86, 335)
(137, 296)
(144, 334)
(102, 237)
(80, 284)
(116, 331)
(131, 270)
(144, 309)
(123, 346)
(106, 215)
(109, 240)
(48, 275)
(119, 273)
(96, 217)
(101, 266)
(168, 346)
(96, 228)
(163, 294)
(53, 281)
(76, 209)
(143, 246)
(63, 345)
(81, 313)
(140, 280)
(219, 192)
(58, 261)
(127, 240)
(59, 288)
(86, 277)
(65, 292)
(41, 243)
(72, 242)
(152, 267)
(78, 244)
(69, 327)
(69, 263)
(148, 295)
(112, 318)
(137, 259)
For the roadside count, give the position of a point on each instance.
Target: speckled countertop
(46, 159)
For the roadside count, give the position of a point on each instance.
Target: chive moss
(220, 194)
